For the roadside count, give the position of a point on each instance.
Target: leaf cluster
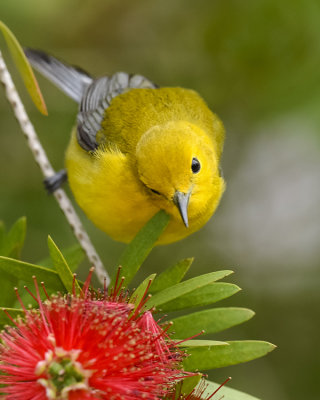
(170, 292)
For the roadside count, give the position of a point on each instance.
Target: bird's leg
(55, 181)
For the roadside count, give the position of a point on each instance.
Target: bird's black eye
(155, 191)
(195, 165)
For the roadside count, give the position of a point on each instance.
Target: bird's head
(179, 166)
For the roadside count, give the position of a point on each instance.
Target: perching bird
(136, 149)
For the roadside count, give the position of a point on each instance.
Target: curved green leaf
(226, 392)
(204, 358)
(202, 296)
(24, 68)
(173, 293)
(172, 275)
(211, 321)
(137, 251)
(62, 267)
(25, 272)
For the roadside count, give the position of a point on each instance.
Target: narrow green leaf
(202, 343)
(226, 392)
(204, 358)
(14, 312)
(138, 294)
(24, 68)
(15, 238)
(211, 321)
(25, 271)
(138, 250)
(73, 256)
(172, 275)
(184, 288)
(62, 267)
(209, 294)
(187, 385)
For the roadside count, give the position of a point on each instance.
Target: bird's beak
(181, 200)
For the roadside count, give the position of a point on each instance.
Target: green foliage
(211, 321)
(25, 271)
(183, 294)
(205, 357)
(171, 275)
(140, 292)
(170, 293)
(24, 68)
(62, 267)
(57, 277)
(138, 250)
(11, 243)
(73, 255)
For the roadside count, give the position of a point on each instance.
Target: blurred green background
(257, 65)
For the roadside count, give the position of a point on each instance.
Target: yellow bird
(136, 149)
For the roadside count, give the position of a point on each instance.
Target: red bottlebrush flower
(80, 348)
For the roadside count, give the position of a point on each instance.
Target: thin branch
(47, 170)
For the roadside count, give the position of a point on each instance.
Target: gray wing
(73, 81)
(97, 98)
(93, 95)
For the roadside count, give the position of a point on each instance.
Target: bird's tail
(71, 80)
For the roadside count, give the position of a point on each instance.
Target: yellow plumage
(156, 148)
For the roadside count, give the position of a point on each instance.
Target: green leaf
(14, 312)
(201, 343)
(62, 267)
(24, 68)
(171, 276)
(173, 293)
(138, 250)
(73, 256)
(25, 271)
(211, 321)
(204, 296)
(138, 294)
(226, 392)
(204, 358)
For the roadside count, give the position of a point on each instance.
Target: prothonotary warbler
(137, 148)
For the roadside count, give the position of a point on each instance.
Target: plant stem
(47, 171)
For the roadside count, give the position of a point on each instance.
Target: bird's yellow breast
(99, 182)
